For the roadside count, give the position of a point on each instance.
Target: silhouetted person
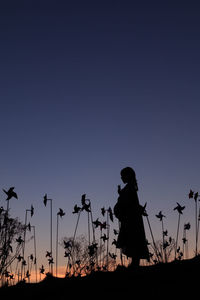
(131, 239)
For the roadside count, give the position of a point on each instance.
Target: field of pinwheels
(93, 257)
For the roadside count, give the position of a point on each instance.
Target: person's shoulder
(130, 188)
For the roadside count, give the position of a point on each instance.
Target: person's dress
(131, 238)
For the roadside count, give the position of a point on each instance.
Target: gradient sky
(90, 87)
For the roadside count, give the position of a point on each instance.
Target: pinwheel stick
(88, 227)
(79, 213)
(198, 229)
(57, 244)
(152, 237)
(176, 244)
(24, 243)
(163, 237)
(35, 252)
(45, 203)
(51, 233)
(196, 225)
(185, 244)
(108, 233)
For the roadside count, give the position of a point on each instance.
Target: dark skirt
(132, 240)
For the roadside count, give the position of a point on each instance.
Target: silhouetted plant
(77, 254)
(11, 230)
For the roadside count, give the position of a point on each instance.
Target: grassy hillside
(175, 279)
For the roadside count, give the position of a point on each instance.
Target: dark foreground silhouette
(161, 281)
(131, 239)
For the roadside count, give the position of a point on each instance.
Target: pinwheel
(42, 270)
(67, 244)
(48, 254)
(19, 240)
(114, 242)
(85, 206)
(24, 262)
(60, 214)
(10, 194)
(179, 209)
(28, 274)
(103, 211)
(116, 232)
(110, 213)
(104, 237)
(191, 194)
(77, 209)
(97, 223)
(45, 199)
(19, 257)
(160, 216)
(112, 255)
(67, 254)
(165, 232)
(50, 260)
(103, 225)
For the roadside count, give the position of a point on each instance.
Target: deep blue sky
(89, 87)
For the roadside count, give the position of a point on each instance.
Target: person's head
(128, 176)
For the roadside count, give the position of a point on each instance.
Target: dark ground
(178, 279)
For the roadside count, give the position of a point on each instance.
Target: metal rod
(51, 234)
(35, 253)
(108, 228)
(57, 246)
(153, 240)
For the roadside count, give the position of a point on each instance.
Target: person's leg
(135, 262)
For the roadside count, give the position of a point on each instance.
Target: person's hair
(129, 174)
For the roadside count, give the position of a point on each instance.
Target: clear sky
(90, 87)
